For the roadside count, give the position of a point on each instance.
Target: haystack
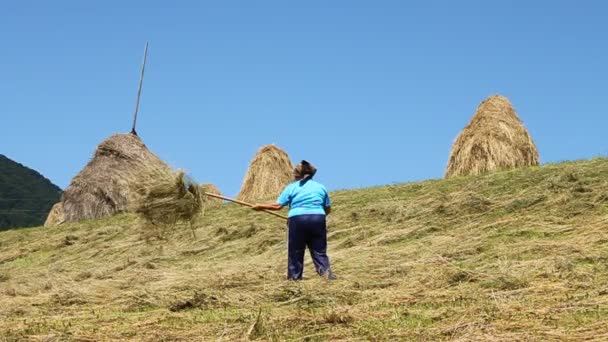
(494, 139)
(268, 173)
(212, 189)
(55, 216)
(102, 187)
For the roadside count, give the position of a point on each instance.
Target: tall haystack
(102, 187)
(494, 139)
(55, 216)
(269, 172)
(212, 189)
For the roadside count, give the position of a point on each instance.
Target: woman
(308, 205)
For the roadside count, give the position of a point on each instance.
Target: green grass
(515, 255)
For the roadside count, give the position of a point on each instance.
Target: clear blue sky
(372, 92)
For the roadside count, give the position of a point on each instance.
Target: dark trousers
(307, 231)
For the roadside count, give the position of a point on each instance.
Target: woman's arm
(327, 210)
(267, 206)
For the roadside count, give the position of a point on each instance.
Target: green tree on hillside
(26, 196)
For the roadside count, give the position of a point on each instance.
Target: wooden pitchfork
(243, 203)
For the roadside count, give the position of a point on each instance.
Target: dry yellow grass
(494, 139)
(269, 172)
(510, 256)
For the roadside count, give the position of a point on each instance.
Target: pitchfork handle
(243, 203)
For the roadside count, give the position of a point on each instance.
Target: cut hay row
(514, 256)
(494, 139)
(269, 172)
(102, 187)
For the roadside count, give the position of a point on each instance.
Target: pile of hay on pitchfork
(494, 139)
(268, 173)
(102, 187)
(166, 197)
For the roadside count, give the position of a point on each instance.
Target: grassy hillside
(26, 196)
(517, 255)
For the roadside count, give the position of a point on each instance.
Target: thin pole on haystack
(243, 203)
(141, 81)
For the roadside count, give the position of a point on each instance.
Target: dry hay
(269, 172)
(55, 216)
(212, 189)
(102, 187)
(494, 139)
(165, 197)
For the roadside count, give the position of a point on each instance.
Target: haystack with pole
(124, 175)
(209, 188)
(269, 172)
(494, 139)
(102, 187)
(55, 216)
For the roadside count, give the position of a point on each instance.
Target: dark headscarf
(304, 170)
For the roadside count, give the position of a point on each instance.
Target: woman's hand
(257, 207)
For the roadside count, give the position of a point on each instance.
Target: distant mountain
(26, 196)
